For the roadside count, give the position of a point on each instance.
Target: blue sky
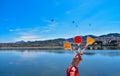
(30, 20)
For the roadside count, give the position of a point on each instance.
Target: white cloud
(47, 30)
(30, 34)
(35, 29)
(11, 30)
(29, 31)
(14, 30)
(33, 34)
(29, 38)
(50, 27)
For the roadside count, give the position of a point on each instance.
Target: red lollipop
(77, 39)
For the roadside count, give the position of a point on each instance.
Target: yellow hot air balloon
(67, 45)
(90, 40)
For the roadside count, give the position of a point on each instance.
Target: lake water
(54, 63)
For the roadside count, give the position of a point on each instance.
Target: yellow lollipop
(90, 40)
(67, 45)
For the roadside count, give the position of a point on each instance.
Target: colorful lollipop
(67, 45)
(78, 40)
(89, 41)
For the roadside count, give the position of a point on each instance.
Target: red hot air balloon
(77, 39)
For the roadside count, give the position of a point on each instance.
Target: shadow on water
(111, 54)
(87, 52)
(103, 52)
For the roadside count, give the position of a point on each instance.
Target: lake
(55, 62)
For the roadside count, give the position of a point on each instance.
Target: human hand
(78, 55)
(77, 59)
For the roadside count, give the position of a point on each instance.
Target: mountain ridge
(110, 35)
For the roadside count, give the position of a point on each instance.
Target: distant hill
(59, 41)
(112, 39)
(111, 36)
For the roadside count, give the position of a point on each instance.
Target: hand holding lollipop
(78, 40)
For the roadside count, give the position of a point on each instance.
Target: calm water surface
(54, 63)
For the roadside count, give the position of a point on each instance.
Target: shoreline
(31, 48)
(43, 48)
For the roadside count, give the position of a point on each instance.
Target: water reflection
(104, 53)
(88, 53)
(33, 53)
(55, 62)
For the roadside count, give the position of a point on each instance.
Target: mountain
(111, 35)
(59, 42)
(20, 42)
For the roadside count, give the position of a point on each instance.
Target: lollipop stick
(79, 48)
(73, 50)
(78, 40)
(84, 48)
(90, 41)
